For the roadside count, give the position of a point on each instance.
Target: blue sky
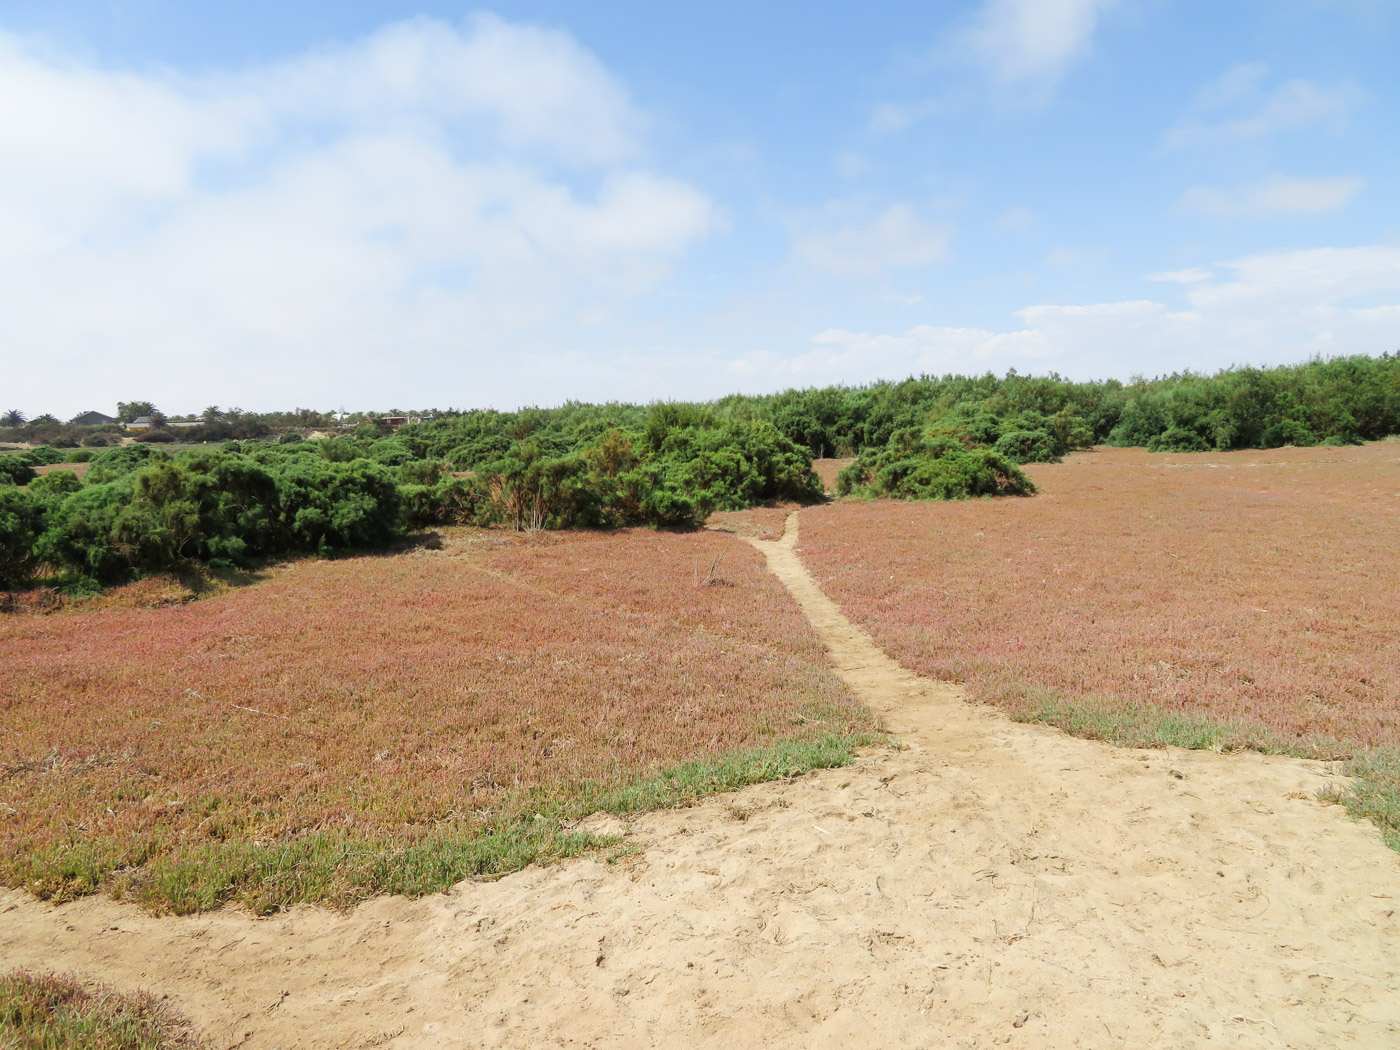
(407, 205)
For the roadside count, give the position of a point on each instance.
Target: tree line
(668, 464)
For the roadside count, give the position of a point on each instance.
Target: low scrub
(395, 723)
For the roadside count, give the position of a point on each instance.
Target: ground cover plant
(395, 723)
(1229, 600)
(51, 1011)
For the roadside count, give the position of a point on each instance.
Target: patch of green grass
(340, 868)
(47, 1011)
(1374, 793)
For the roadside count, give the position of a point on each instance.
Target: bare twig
(254, 710)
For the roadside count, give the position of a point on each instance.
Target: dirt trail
(992, 884)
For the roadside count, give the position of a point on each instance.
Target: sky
(411, 205)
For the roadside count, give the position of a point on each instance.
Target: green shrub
(1178, 439)
(931, 465)
(1027, 446)
(16, 470)
(55, 486)
(21, 524)
(44, 456)
(117, 463)
(79, 533)
(80, 455)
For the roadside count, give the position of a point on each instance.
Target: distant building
(92, 419)
(140, 423)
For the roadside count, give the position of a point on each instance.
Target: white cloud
(851, 165)
(428, 201)
(1239, 83)
(896, 237)
(1291, 106)
(1016, 220)
(1192, 275)
(1277, 195)
(1033, 42)
(1278, 306)
(889, 118)
(1063, 256)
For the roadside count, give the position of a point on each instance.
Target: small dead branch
(712, 576)
(255, 711)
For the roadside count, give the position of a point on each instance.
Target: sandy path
(993, 884)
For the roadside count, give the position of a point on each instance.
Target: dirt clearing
(993, 884)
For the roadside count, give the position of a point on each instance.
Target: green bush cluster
(927, 464)
(1340, 402)
(140, 511)
(671, 473)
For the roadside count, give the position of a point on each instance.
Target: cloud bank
(432, 198)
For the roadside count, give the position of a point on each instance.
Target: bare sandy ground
(991, 884)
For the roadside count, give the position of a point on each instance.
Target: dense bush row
(662, 465)
(139, 509)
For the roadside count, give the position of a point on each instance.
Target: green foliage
(16, 470)
(44, 455)
(930, 465)
(322, 506)
(21, 524)
(55, 486)
(1177, 439)
(117, 463)
(1342, 401)
(81, 455)
(79, 534)
(667, 464)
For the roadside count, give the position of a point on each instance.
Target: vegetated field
(51, 1011)
(1230, 599)
(394, 723)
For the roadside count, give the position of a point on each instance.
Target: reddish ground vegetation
(827, 469)
(1251, 587)
(387, 697)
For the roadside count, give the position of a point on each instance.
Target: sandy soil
(991, 884)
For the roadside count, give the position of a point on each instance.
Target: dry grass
(77, 468)
(759, 523)
(1238, 600)
(394, 723)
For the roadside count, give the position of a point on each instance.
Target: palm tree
(47, 419)
(13, 418)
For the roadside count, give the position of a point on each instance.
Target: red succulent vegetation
(1253, 588)
(386, 700)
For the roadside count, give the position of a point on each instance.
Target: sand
(990, 884)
